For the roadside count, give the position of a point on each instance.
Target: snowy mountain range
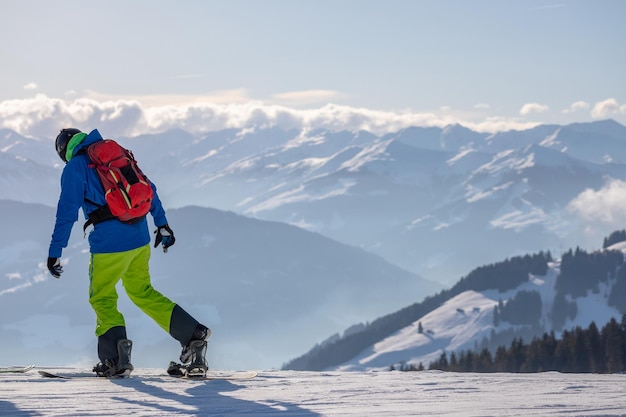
(421, 204)
(437, 202)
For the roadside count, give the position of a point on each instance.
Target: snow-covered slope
(453, 326)
(312, 394)
(462, 322)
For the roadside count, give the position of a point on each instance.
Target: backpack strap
(102, 214)
(99, 215)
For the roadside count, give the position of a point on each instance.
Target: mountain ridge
(574, 291)
(369, 191)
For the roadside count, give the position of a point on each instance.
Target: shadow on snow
(206, 398)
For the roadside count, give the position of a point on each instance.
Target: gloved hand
(165, 236)
(55, 268)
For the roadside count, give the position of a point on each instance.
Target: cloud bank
(605, 205)
(42, 116)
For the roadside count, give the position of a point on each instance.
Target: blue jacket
(80, 183)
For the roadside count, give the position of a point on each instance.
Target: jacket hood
(79, 142)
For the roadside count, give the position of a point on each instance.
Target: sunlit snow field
(278, 393)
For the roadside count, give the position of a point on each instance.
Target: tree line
(579, 350)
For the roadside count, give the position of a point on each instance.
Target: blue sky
(491, 65)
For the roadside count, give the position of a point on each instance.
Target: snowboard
(224, 375)
(72, 375)
(211, 375)
(15, 369)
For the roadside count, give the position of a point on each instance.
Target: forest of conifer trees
(579, 350)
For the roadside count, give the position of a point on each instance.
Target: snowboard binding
(120, 368)
(197, 366)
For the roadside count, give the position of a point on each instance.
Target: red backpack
(127, 190)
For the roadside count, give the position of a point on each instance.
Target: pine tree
(614, 347)
(595, 349)
(517, 355)
(453, 366)
(500, 360)
(579, 353)
(484, 362)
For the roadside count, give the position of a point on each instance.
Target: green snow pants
(106, 270)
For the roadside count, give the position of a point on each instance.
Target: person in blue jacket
(118, 251)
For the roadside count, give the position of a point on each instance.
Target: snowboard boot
(124, 367)
(198, 365)
(200, 333)
(110, 368)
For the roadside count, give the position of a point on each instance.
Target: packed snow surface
(149, 392)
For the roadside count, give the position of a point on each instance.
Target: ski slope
(286, 393)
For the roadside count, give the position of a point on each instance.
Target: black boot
(198, 365)
(124, 367)
(193, 356)
(201, 333)
(117, 367)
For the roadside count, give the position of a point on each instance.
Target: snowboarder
(118, 251)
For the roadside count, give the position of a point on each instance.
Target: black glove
(55, 268)
(165, 236)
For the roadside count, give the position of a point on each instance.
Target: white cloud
(41, 115)
(127, 116)
(498, 124)
(605, 205)
(31, 86)
(606, 108)
(482, 106)
(529, 108)
(576, 106)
